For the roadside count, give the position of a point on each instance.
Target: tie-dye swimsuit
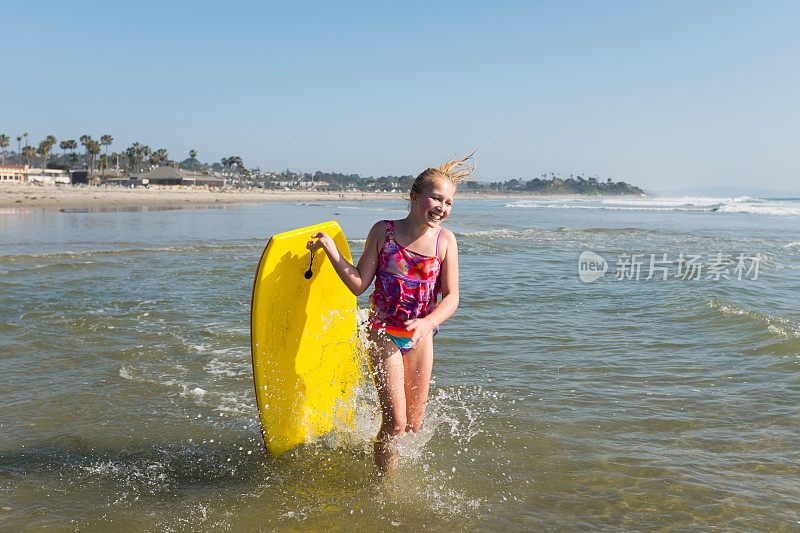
(406, 286)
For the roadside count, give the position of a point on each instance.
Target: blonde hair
(453, 171)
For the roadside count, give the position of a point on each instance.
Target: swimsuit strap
(390, 236)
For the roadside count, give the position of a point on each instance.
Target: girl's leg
(386, 364)
(417, 363)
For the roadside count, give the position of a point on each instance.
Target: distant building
(175, 176)
(25, 174)
(48, 175)
(13, 173)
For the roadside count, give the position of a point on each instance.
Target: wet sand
(32, 195)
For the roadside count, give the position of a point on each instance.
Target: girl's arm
(449, 303)
(356, 278)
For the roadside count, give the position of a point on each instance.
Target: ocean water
(558, 403)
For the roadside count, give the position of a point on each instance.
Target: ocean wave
(187, 390)
(506, 233)
(774, 324)
(527, 204)
(362, 208)
(783, 209)
(503, 233)
(784, 347)
(125, 251)
(687, 201)
(738, 204)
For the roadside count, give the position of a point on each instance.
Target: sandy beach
(33, 195)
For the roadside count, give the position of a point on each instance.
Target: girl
(412, 260)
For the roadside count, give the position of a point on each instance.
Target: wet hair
(453, 171)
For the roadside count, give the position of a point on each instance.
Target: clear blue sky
(659, 94)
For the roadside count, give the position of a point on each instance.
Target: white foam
(784, 209)
(236, 404)
(199, 348)
(151, 473)
(362, 208)
(504, 233)
(738, 204)
(219, 367)
(116, 251)
(695, 201)
(105, 467)
(197, 392)
(127, 373)
(525, 204)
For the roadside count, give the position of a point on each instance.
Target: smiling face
(433, 204)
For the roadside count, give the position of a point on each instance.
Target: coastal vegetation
(98, 164)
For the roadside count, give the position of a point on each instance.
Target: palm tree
(106, 141)
(3, 145)
(130, 153)
(134, 154)
(145, 151)
(66, 145)
(19, 150)
(44, 148)
(85, 139)
(71, 145)
(28, 152)
(193, 163)
(93, 147)
(155, 158)
(42, 151)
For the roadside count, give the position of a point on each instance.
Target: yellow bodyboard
(303, 340)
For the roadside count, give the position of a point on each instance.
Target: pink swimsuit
(406, 287)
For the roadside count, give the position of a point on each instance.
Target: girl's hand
(422, 327)
(323, 240)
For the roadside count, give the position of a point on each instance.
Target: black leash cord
(308, 272)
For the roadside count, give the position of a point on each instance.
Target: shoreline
(15, 195)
